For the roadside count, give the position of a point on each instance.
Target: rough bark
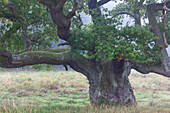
(33, 57)
(137, 17)
(110, 84)
(155, 28)
(62, 21)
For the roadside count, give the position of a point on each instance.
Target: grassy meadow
(67, 92)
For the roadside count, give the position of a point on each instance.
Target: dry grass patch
(68, 92)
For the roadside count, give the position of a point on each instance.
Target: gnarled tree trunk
(109, 83)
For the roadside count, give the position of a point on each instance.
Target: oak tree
(104, 50)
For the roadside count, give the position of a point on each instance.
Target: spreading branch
(102, 2)
(162, 68)
(36, 57)
(124, 13)
(52, 56)
(63, 22)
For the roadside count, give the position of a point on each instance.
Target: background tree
(103, 51)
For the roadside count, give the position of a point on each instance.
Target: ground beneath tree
(62, 91)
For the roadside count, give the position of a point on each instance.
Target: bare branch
(124, 13)
(166, 8)
(159, 6)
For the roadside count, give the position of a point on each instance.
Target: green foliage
(103, 40)
(49, 67)
(107, 41)
(35, 26)
(37, 67)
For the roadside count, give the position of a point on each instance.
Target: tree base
(111, 85)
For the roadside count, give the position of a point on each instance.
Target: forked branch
(73, 12)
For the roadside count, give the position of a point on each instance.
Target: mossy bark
(109, 84)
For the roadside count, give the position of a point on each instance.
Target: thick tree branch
(159, 6)
(35, 57)
(60, 4)
(63, 22)
(163, 68)
(151, 10)
(92, 4)
(102, 2)
(48, 3)
(53, 56)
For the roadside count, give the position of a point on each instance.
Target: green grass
(60, 91)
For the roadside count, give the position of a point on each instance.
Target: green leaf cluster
(35, 26)
(106, 41)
